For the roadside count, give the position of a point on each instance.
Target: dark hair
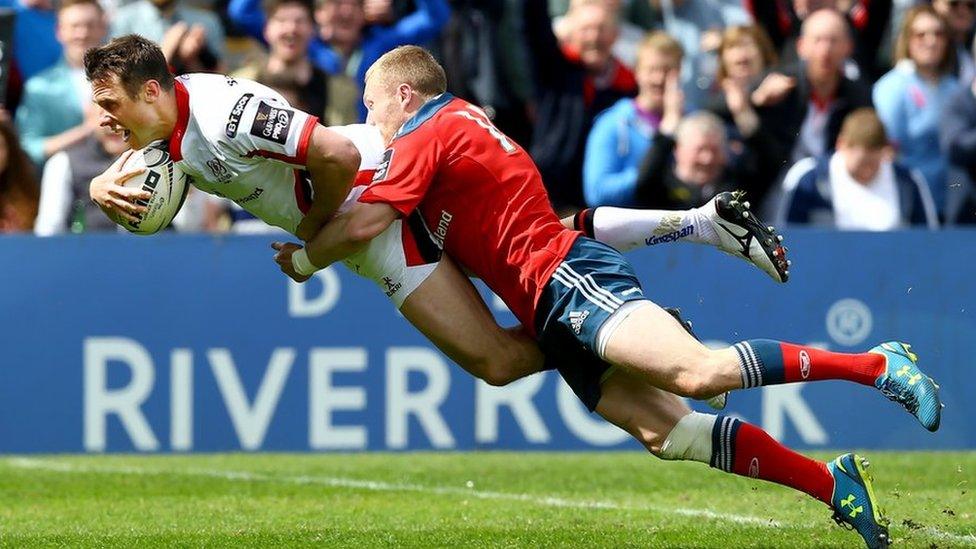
(133, 59)
(18, 184)
(271, 6)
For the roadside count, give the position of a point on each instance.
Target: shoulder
(802, 175)
(431, 114)
(51, 77)
(200, 16)
(623, 108)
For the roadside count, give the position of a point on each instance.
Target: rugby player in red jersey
(483, 201)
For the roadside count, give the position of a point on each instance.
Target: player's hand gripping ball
(164, 179)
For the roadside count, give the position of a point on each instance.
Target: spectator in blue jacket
(622, 134)
(35, 47)
(345, 45)
(858, 187)
(911, 96)
(51, 116)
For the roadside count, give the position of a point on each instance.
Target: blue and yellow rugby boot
(903, 382)
(854, 503)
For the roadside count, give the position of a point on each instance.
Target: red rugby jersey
(481, 197)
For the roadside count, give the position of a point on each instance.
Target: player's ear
(404, 93)
(151, 90)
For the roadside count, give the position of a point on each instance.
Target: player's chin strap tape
(302, 264)
(691, 439)
(583, 221)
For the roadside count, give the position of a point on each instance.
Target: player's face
(131, 118)
(387, 104)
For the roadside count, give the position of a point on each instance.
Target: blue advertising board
(197, 343)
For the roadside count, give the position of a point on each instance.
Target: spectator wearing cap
(858, 187)
(911, 96)
(576, 78)
(622, 134)
(345, 45)
(51, 116)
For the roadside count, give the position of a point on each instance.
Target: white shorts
(399, 259)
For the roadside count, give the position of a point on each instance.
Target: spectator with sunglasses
(911, 96)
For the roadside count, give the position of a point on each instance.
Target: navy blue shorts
(591, 283)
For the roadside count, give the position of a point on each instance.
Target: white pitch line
(968, 539)
(380, 486)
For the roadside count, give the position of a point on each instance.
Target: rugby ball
(164, 179)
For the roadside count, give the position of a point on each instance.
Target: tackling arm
(333, 161)
(349, 232)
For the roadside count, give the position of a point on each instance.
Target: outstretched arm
(346, 234)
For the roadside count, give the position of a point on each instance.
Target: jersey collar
(182, 119)
(425, 113)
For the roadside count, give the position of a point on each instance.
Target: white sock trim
(690, 439)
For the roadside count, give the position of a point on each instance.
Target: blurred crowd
(851, 114)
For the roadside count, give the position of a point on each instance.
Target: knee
(699, 380)
(498, 371)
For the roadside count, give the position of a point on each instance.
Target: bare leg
(650, 344)
(448, 309)
(670, 430)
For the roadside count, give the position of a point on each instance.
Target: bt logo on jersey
(230, 130)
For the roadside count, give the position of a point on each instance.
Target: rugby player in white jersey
(241, 140)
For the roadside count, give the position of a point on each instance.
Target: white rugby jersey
(241, 140)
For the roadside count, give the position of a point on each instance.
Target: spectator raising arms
(192, 39)
(345, 45)
(911, 96)
(858, 187)
(575, 79)
(622, 134)
(288, 32)
(18, 186)
(51, 116)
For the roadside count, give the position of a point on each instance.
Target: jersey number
(481, 119)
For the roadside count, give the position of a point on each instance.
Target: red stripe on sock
(758, 455)
(809, 364)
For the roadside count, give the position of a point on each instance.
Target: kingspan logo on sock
(670, 237)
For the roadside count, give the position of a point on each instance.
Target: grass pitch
(454, 500)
